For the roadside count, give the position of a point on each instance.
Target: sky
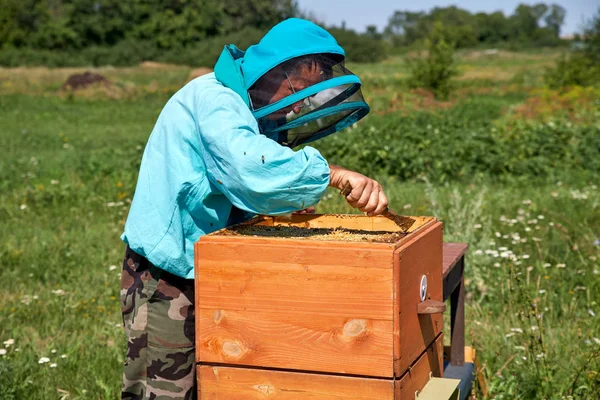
(360, 13)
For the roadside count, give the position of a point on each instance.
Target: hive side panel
(295, 341)
(283, 279)
(422, 255)
(315, 308)
(418, 374)
(226, 383)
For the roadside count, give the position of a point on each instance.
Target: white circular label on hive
(423, 291)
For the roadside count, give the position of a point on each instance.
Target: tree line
(537, 24)
(97, 32)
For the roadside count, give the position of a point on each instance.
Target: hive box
(298, 318)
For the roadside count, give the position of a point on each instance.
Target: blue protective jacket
(206, 154)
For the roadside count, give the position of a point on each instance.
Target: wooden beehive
(318, 317)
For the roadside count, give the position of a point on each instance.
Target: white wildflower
(9, 342)
(53, 365)
(112, 267)
(53, 351)
(532, 221)
(63, 356)
(511, 334)
(540, 356)
(516, 330)
(497, 265)
(23, 206)
(525, 256)
(547, 265)
(578, 195)
(595, 339)
(54, 182)
(527, 202)
(477, 226)
(502, 248)
(541, 291)
(407, 206)
(527, 229)
(519, 347)
(591, 312)
(554, 194)
(43, 360)
(550, 223)
(561, 265)
(579, 288)
(534, 328)
(498, 234)
(524, 358)
(2, 352)
(59, 292)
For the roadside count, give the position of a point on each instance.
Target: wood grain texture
(328, 307)
(295, 341)
(421, 255)
(342, 282)
(226, 383)
(321, 309)
(417, 375)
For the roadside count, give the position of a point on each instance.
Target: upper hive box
(318, 304)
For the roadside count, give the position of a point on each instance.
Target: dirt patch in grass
(576, 103)
(413, 100)
(82, 81)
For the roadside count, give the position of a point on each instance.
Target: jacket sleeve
(254, 172)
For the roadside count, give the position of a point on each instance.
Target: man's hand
(364, 193)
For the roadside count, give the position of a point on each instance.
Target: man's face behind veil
(278, 84)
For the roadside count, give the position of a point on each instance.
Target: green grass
(69, 171)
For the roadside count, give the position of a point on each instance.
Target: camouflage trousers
(158, 315)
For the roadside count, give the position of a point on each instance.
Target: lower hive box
(319, 307)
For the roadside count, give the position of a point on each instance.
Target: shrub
(436, 69)
(582, 66)
(131, 52)
(360, 48)
(462, 143)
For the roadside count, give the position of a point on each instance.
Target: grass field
(533, 270)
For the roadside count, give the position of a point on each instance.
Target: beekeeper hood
(294, 82)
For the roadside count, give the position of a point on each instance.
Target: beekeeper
(221, 152)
